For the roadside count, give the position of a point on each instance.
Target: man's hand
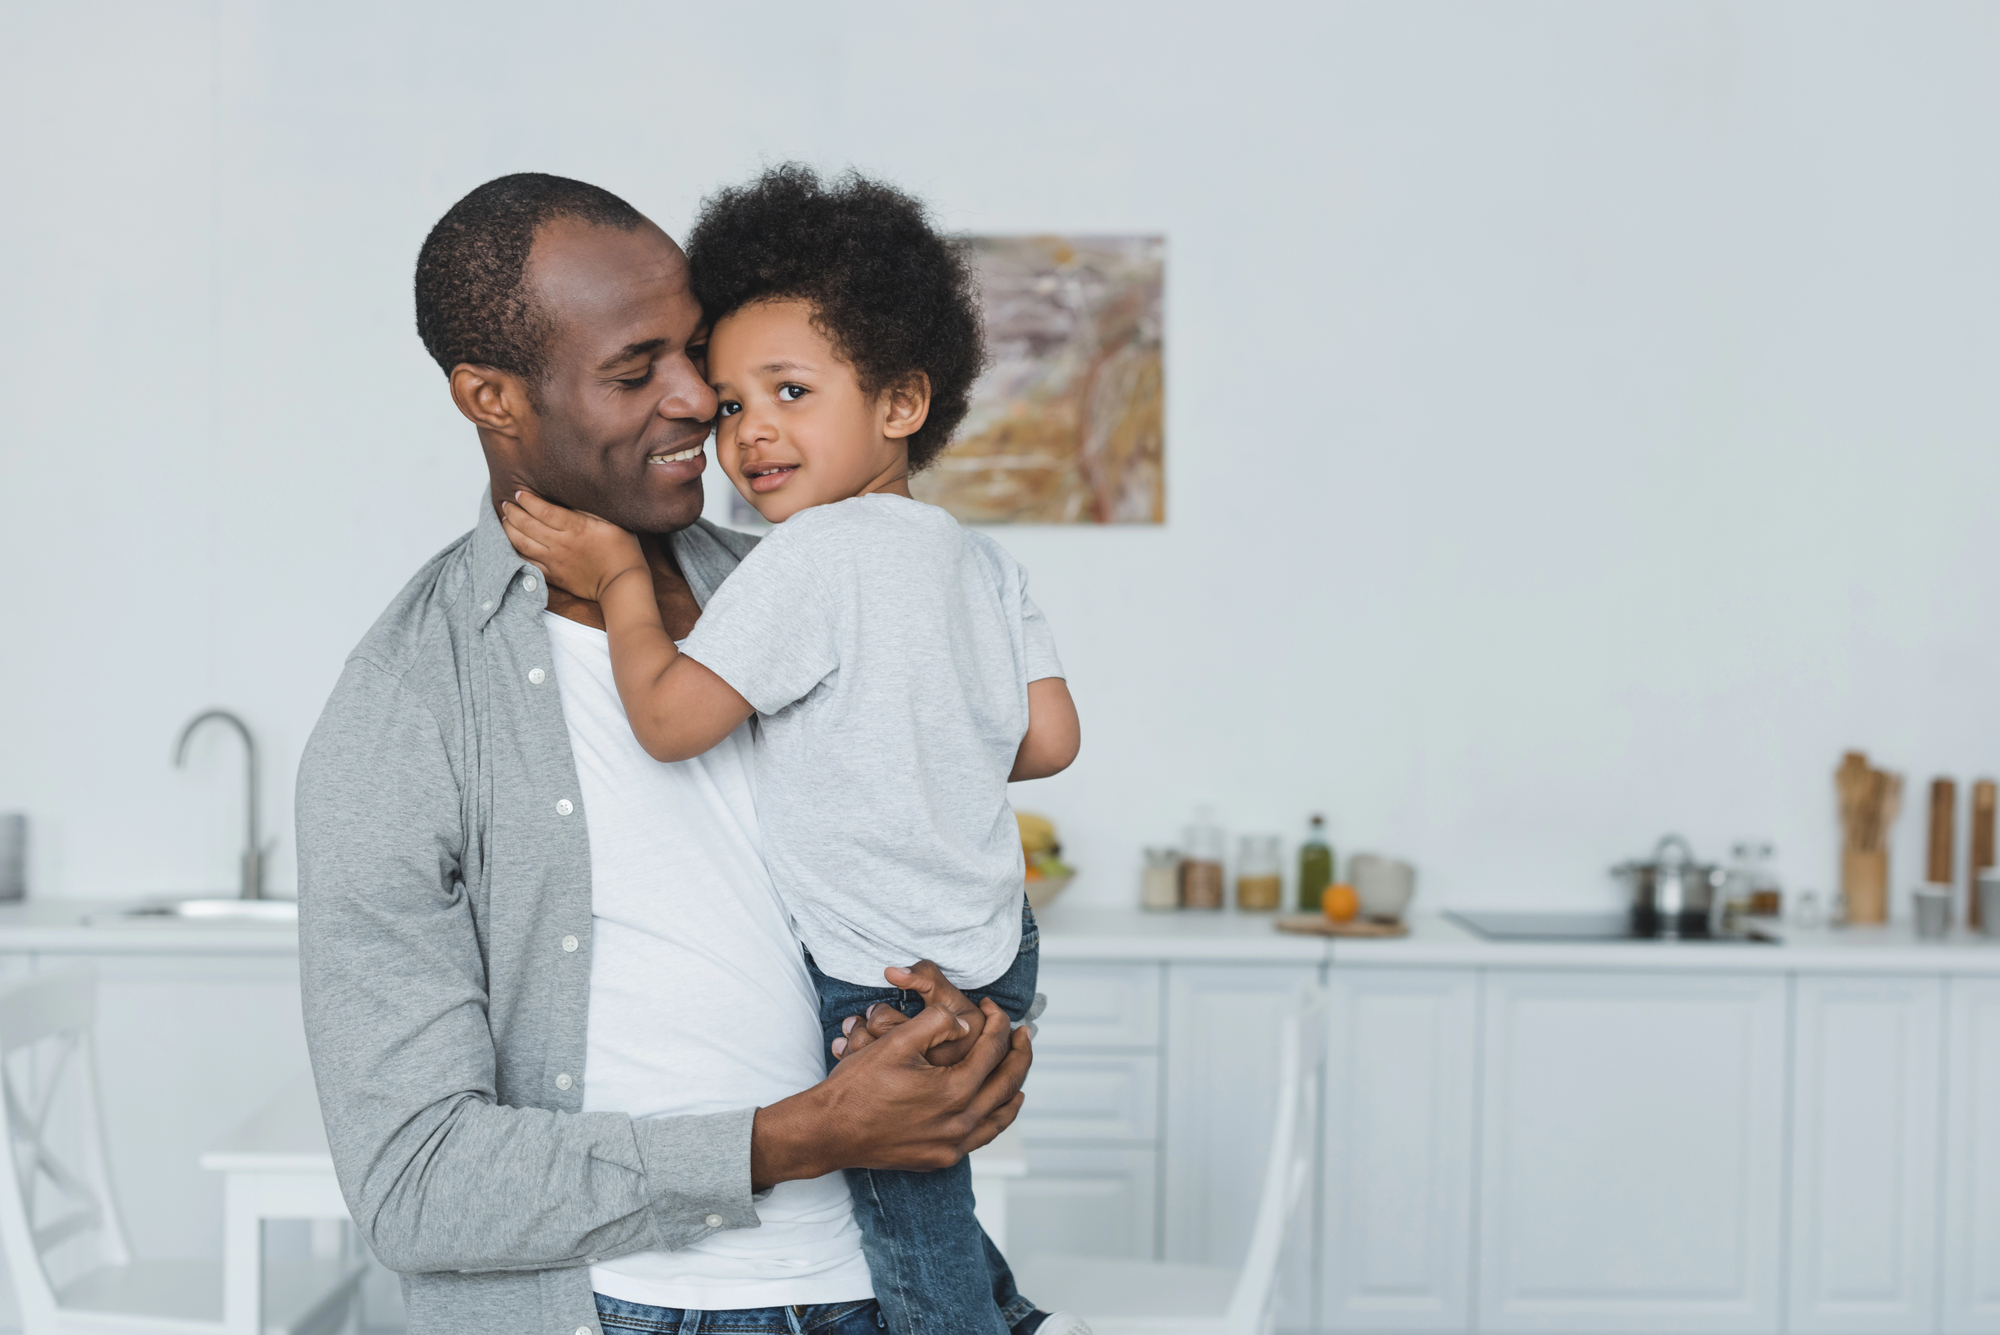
(888, 1107)
(581, 554)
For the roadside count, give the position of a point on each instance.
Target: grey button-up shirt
(444, 930)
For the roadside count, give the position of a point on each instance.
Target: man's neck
(678, 609)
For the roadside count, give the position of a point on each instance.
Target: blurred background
(1580, 418)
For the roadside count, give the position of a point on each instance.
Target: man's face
(626, 405)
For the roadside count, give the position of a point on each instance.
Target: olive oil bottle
(1315, 866)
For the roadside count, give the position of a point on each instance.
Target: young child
(899, 673)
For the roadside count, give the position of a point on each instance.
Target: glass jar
(1260, 873)
(1201, 863)
(1160, 879)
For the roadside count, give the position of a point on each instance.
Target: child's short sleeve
(771, 630)
(1039, 642)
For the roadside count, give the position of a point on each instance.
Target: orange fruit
(1340, 903)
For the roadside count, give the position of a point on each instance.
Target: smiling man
(566, 1045)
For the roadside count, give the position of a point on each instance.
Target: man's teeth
(684, 455)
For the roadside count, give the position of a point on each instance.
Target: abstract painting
(1067, 423)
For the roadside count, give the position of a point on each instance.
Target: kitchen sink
(205, 911)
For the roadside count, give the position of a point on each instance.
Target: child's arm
(677, 708)
(1054, 734)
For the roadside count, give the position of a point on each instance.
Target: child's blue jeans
(935, 1270)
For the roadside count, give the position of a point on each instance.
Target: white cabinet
(1091, 1122)
(1397, 1186)
(1222, 1090)
(1971, 1299)
(1866, 1096)
(1100, 1201)
(1631, 1152)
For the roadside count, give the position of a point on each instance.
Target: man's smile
(691, 452)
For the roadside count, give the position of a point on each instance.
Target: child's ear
(905, 405)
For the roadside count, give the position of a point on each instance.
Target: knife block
(1864, 885)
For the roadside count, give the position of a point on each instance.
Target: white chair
(73, 1272)
(1150, 1298)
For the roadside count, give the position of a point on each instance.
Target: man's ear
(905, 405)
(491, 399)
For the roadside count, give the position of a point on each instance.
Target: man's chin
(657, 509)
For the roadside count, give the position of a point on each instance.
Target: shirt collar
(497, 567)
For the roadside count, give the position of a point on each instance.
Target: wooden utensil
(1944, 809)
(1985, 798)
(1869, 800)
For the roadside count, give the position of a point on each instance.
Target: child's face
(794, 429)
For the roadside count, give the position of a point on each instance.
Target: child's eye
(790, 393)
(728, 408)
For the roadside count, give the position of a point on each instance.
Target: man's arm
(437, 1173)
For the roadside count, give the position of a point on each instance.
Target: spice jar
(1160, 879)
(1260, 874)
(1201, 863)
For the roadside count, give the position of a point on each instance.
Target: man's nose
(689, 397)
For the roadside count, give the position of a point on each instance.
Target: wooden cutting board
(1318, 924)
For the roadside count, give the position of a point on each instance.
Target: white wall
(1581, 417)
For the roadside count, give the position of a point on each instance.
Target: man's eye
(638, 381)
(790, 393)
(728, 408)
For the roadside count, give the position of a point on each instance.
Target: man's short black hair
(471, 303)
(891, 292)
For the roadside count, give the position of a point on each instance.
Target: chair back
(58, 1216)
(1288, 1170)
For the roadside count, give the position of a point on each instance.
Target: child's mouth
(770, 479)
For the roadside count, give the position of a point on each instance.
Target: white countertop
(1083, 932)
(94, 927)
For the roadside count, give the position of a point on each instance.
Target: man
(563, 1040)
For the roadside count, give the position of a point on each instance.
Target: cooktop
(1516, 925)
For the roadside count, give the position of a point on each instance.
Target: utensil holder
(1864, 884)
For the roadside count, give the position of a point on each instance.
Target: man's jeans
(935, 1270)
(619, 1317)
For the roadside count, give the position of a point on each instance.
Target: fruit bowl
(1044, 889)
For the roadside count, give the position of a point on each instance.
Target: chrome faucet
(254, 853)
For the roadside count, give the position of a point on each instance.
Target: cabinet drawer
(1085, 1203)
(1100, 1006)
(1073, 1097)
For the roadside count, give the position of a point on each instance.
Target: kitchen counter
(92, 927)
(1085, 932)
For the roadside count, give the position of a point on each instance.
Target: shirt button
(486, 606)
(563, 1081)
(529, 584)
(537, 676)
(569, 943)
(713, 1221)
(564, 807)
(583, 1330)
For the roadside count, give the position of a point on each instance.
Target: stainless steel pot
(1673, 895)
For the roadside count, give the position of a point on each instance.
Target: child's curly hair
(891, 292)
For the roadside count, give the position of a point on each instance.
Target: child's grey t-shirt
(887, 651)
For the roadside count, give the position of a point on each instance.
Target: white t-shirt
(888, 651)
(699, 998)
